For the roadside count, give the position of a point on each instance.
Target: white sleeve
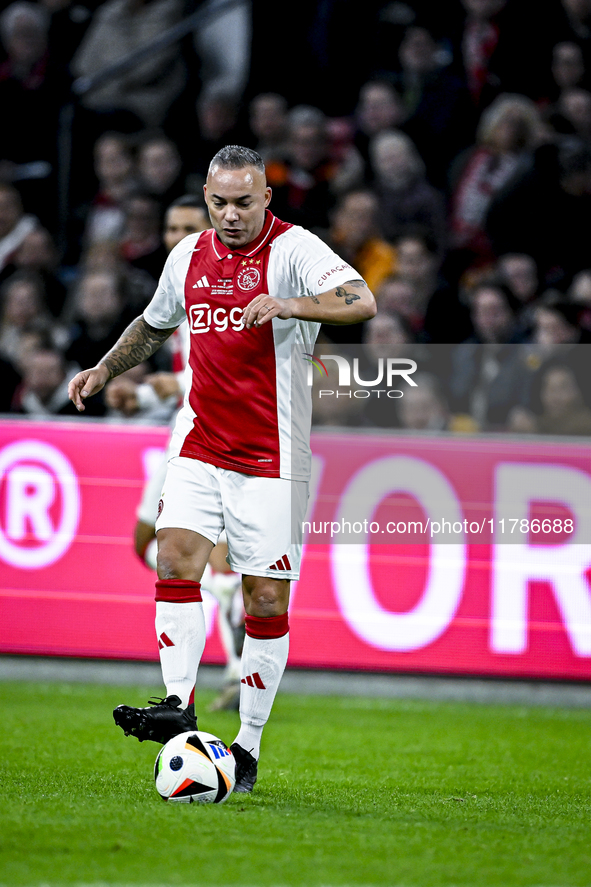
(316, 267)
(167, 308)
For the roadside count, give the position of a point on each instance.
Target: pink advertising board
(422, 554)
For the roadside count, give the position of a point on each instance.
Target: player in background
(184, 216)
(254, 290)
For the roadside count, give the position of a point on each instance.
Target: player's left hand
(264, 308)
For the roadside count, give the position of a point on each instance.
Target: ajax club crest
(249, 277)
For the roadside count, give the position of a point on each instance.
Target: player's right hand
(85, 384)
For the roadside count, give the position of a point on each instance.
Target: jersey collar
(249, 249)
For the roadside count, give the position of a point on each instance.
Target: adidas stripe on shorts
(263, 516)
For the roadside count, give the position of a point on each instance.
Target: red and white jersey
(248, 406)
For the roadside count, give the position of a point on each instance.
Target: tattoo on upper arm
(136, 344)
(360, 284)
(342, 293)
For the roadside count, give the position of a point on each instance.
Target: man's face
(491, 315)
(44, 374)
(236, 200)
(356, 218)
(181, 221)
(380, 108)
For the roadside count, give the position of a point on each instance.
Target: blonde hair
(506, 104)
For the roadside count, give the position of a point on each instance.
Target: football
(195, 767)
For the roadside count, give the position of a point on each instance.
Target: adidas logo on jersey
(254, 680)
(282, 564)
(203, 281)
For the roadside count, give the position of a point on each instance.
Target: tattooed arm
(137, 343)
(350, 303)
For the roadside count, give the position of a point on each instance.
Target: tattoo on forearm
(342, 293)
(137, 343)
(314, 299)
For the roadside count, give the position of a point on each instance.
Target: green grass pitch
(351, 792)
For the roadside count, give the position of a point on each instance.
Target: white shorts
(262, 516)
(147, 510)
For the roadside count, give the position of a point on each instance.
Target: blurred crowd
(444, 150)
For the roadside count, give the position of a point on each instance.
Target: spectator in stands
(33, 338)
(486, 384)
(508, 132)
(22, 299)
(38, 253)
(405, 197)
(568, 67)
(160, 169)
(439, 115)
(574, 109)
(118, 28)
(568, 73)
(99, 317)
(184, 216)
(137, 286)
(350, 169)
(356, 236)
(580, 293)
(30, 96)
(580, 290)
(216, 124)
(386, 335)
(398, 295)
(555, 338)
(44, 390)
(132, 396)
(488, 377)
(154, 398)
(268, 120)
(446, 318)
(418, 262)
(563, 410)
(556, 323)
(140, 239)
(546, 213)
(498, 51)
(578, 15)
(520, 273)
(423, 408)
(302, 191)
(15, 225)
(386, 328)
(479, 42)
(114, 166)
(493, 311)
(380, 109)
